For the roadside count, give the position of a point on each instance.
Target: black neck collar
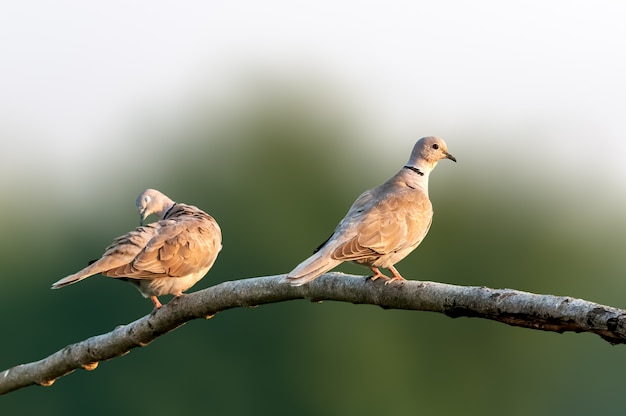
(167, 213)
(414, 169)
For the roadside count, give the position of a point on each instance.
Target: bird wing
(119, 254)
(179, 247)
(394, 219)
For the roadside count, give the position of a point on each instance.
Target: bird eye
(435, 146)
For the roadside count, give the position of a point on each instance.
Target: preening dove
(384, 224)
(166, 257)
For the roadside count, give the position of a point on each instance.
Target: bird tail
(311, 268)
(76, 277)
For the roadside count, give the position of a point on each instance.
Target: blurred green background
(277, 155)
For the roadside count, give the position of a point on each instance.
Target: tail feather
(76, 277)
(311, 268)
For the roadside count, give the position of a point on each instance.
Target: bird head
(428, 151)
(151, 202)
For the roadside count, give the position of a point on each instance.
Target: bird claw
(394, 279)
(380, 276)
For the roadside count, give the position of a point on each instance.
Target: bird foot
(156, 302)
(394, 279)
(379, 275)
(396, 275)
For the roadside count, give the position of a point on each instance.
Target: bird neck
(416, 177)
(167, 210)
(422, 169)
(414, 169)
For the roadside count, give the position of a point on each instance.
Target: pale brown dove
(384, 224)
(166, 257)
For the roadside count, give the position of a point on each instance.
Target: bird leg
(396, 275)
(378, 274)
(156, 302)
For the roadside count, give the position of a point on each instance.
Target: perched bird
(384, 224)
(166, 257)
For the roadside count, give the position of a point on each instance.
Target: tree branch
(544, 312)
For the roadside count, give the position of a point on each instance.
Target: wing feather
(394, 223)
(179, 248)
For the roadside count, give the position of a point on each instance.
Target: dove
(384, 224)
(165, 257)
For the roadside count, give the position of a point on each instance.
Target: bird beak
(449, 156)
(142, 217)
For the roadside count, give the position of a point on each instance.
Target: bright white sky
(73, 71)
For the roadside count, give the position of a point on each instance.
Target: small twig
(544, 312)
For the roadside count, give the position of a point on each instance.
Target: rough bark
(544, 312)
